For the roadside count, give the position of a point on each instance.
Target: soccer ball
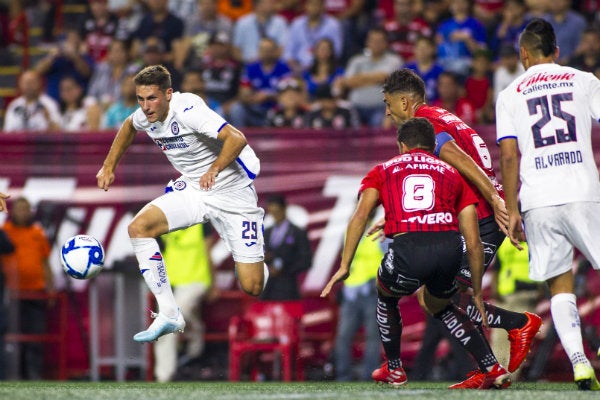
(82, 257)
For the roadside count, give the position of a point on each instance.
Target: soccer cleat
(474, 380)
(585, 377)
(498, 378)
(520, 340)
(396, 377)
(162, 325)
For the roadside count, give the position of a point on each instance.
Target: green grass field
(271, 391)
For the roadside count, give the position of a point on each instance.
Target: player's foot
(395, 377)
(520, 340)
(162, 325)
(585, 378)
(498, 378)
(474, 380)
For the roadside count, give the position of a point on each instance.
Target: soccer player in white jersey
(217, 169)
(546, 115)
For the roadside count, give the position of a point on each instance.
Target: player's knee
(253, 288)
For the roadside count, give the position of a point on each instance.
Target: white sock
(568, 326)
(153, 270)
(265, 275)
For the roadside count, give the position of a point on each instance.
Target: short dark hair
(154, 75)
(277, 198)
(404, 80)
(539, 35)
(417, 133)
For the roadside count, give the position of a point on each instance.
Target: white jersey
(549, 110)
(188, 137)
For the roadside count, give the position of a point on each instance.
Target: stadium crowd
(294, 63)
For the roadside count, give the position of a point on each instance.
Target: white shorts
(552, 232)
(235, 215)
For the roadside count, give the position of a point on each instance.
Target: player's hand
(3, 198)
(515, 231)
(377, 230)
(478, 301)
(339, 276)
(500, 214)
(207, 180)
(105, 178)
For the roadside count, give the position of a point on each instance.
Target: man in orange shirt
(27, 270)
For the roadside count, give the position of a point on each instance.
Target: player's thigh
(182, 208)
(150, 221)
(583, 225)
(550, 251)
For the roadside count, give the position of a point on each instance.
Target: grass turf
(52, 390)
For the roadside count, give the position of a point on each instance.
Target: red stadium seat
(270, 327)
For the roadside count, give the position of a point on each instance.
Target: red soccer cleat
(474, 380)
(498, 378)
(396, 377)
(520, 340)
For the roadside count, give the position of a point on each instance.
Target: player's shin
(389, 322)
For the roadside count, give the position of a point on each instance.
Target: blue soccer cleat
(162, 325)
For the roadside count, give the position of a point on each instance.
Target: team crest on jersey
(175, 128)
(179, 185)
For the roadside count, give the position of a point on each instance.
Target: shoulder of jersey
(184, 102)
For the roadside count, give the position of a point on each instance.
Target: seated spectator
(478, 87)
(290, 9)
(405, 28)
(153, 52)
(513, 21)
(192, 81)
(234, 9)
(587, 55)
(364, 76)
(67, 58)
(249, 29)
(221, 73)
(568, 26)
(451, 97)
(33, 110)
(160, 23)
(508, 69)
(329, 112)
(98, 28)
(199, 28)
(75, 117)
(290, 110)
(258, 86)
(307, 30)
(458, 37)
(426, 66)
(324, 69)
(104, 87)
(121, 109)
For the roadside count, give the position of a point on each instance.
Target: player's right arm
(3, 198)
(120, 144)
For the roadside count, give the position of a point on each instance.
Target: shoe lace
(153, 314)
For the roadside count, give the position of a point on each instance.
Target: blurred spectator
(406, 27)
(290, 110)
(451, 97)
(537, 8)
(33, 110)
(75, 117)
(587, 55)
(67, 58)
(153, 52)
(568, 26)
(258, 86)
(306, 30)
(329, 112)
(6, 247)
(479, 90)
(325, 68)
(513, 21)
(183, 8)
(251, 28)
(221, 73)
(290, 9)
(365, 75)
(130, 13)
(28, 270)
(199, 28)
(104, 87)
(160, 23)
(192, 81)
(426, 65)
(99, 27)
(458, 37)
(358, 299)
(234, 9)
(118, 111)
(5, 57)
(434, 12)
(287, 253)
(508, 69)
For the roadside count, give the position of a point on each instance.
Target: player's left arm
(3, 198)
(509, 169)
(233, 143)
(455, 156)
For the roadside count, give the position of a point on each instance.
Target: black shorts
(491, 237)
(421, 258)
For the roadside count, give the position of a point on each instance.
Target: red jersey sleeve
(466, 197)
(371, 180)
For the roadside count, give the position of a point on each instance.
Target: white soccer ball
(82, 257)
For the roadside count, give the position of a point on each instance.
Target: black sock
(497, 317)
(464, 330)
(389, 321)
